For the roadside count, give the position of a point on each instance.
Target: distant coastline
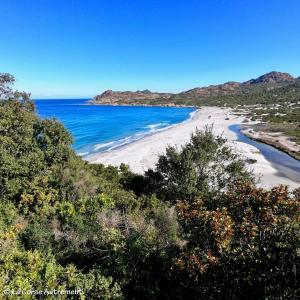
(90, 102)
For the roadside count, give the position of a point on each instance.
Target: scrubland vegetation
(283, 118)
(195, 227)
(277, 121)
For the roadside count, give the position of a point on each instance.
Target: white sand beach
(143, 154)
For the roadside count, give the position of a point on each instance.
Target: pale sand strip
(143, 154)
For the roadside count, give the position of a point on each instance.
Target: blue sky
(81, 48)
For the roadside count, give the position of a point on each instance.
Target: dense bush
(247, 244)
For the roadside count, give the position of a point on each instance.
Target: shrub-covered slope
(195, 227)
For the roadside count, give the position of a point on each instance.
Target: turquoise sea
(103, 128)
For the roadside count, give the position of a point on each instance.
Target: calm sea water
(103, 128)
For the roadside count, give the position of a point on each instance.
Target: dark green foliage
(38, 235)
(30, 148)
(204, 166)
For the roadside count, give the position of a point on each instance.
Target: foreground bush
(247, 244)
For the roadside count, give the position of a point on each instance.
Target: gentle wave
(105, 147)
(83, 153)
(154, 127)
(151, 129)
(100, 146)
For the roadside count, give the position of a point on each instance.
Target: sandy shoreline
(143, 154)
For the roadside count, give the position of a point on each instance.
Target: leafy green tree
(30, 149)
(205, 166)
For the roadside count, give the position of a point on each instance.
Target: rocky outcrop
(113, 97)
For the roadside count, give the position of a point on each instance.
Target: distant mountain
(272, 77)
(252, 90)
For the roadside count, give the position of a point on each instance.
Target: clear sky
(68, 48)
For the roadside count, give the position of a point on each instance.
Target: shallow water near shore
(285, 165)
(103, 128)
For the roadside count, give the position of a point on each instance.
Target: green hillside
(246, 95)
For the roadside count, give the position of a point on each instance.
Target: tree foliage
(204, 166)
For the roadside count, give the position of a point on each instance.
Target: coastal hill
(229, 92)
(113, 97)
(227, 88)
